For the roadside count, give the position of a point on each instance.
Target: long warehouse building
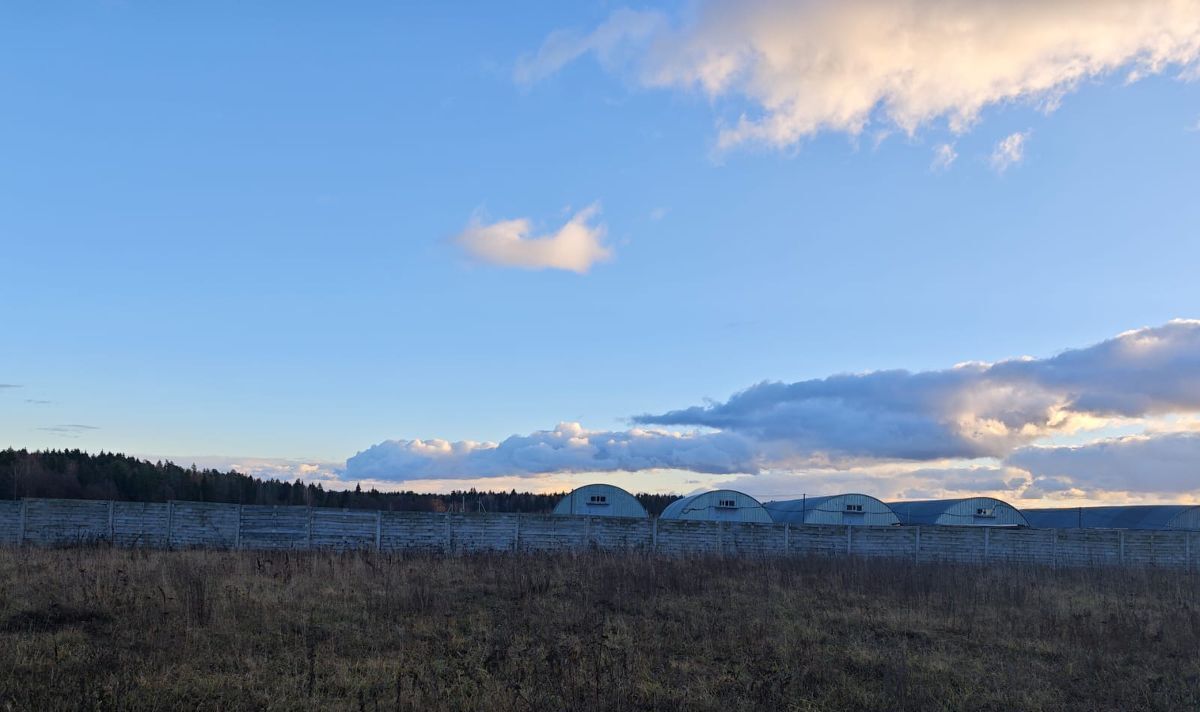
(966, 512)
(1142, 516)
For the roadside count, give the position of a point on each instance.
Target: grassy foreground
(113, 629)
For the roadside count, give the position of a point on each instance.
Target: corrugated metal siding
(619, 503)
(832, 510)
(705, 506)
(1188, 519)
(959, 512)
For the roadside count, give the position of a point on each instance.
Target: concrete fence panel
(203, 525)
(10, 521)
(56, 522)
(269, 527)
(344, 529)
(140, 524)
(418, 531)
(553, 533)
(62, 522)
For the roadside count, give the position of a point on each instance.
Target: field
(119, 629)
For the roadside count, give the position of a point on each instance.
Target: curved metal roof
(704, 505)
(1144, 516)
(616, 502)
(959, 512)
(831, 509)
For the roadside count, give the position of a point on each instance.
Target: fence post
(21, 527)
(378, 529)
(787, 538)
(449, 534)
(654, 535)
(517, 534)
(917, 546)
(308, 531)
(111, 539)
(1053, 548)
(1121, 542)
(587, 533)
(849, 538)
(237, 529)
(987, 544)
(170, 520)
(1187, 551)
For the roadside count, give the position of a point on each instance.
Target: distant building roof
(600, 500)
(963, 511)
(1147, 516)
(852, 508)
(717, 505)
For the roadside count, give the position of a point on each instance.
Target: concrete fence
(61, 522)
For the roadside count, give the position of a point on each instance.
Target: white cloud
(567, 448)
(944, 156)
(1009, 151)
(812, 66)
(623, 29)
(577, 246)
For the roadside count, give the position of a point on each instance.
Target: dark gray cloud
(974, 410)
(1166, 463)
(850, 420)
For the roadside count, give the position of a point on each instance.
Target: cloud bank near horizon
(567, 448)
(811, 67)
(848, 422)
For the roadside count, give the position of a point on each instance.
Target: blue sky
(237, 233)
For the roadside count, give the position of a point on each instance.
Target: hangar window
(985, 512)
(727, 503)
(854, 508)
(598, 499)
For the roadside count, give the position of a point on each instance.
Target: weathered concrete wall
(53, 522)
(10, 521)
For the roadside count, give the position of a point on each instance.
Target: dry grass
(112, 629)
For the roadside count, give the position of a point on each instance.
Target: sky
(918, 248)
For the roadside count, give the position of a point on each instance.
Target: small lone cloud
(35, 401)
(1009, 152)
(622, 31)
(576, 247)
(68, 430)
(944, 156)
(5, 386)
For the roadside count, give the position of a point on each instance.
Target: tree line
(75, 474)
